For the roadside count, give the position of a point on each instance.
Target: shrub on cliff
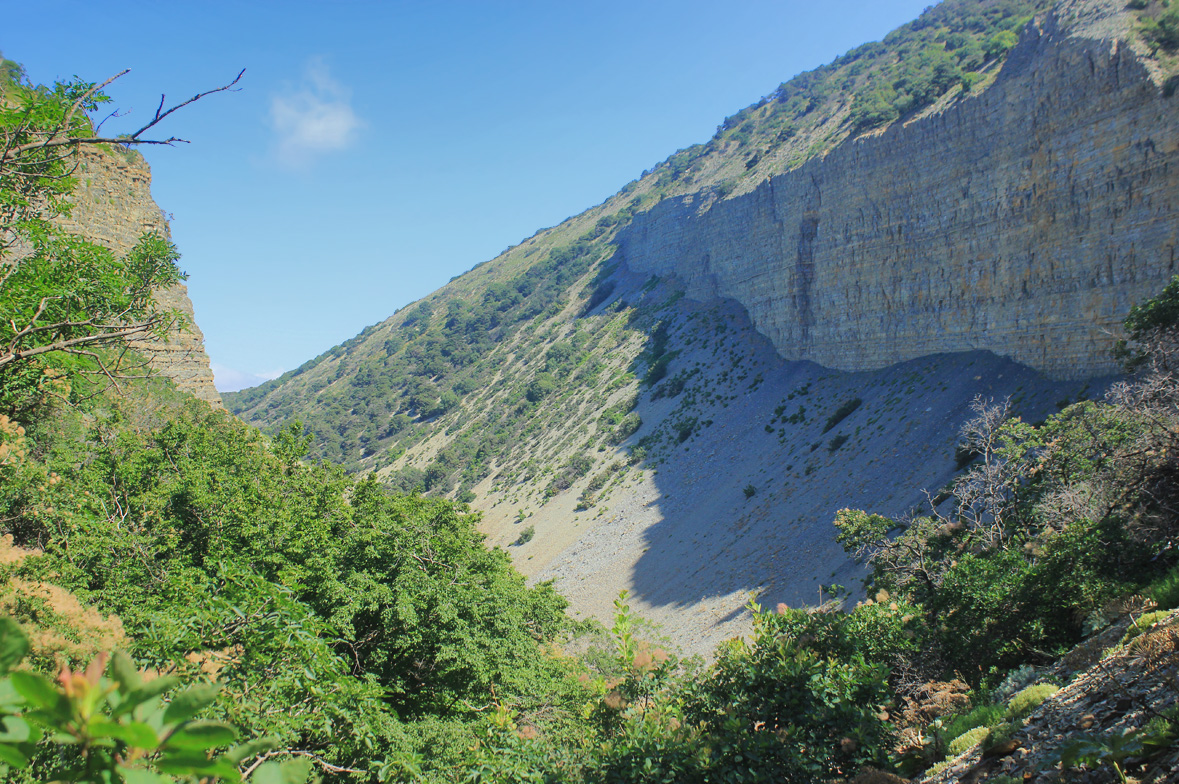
(1162, 30)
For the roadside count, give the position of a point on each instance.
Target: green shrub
(1163, 31)
(967, 739)
(525, 536)
(1143, 623)
(790, 710)
(873, 108)
(936, 769)
(998, 735)
(842, 413)
(983, 716)
(750, 491)
(1165, 590)
(1000, 43)
(837, 442)
(970, 79)
(541, 387)
(627, 427)
(1014, 682)
(1023, 703)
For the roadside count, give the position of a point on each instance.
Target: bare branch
(197, 97)
(54, 139)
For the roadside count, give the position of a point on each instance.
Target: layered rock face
(113, 207)
(1025, 220)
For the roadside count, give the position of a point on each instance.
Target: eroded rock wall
(1024, 220)
(113, 207)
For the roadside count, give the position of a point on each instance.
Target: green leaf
(17, 730)
(14, 645)
(189, 702)
(138, 735)
(124, 673)
(188, 763)
(183, 762)
(38, 691)
(292, 771)
(251, 749)
(102, 727)
(202, 735)
(142, 776)
(10, 755)
(136, 697)
(9, 699)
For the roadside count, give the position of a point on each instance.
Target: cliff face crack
(804, 263)
(804, 276)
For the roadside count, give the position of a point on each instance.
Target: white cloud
(226, 379)
(313, 117)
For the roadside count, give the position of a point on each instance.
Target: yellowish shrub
(1026, 701)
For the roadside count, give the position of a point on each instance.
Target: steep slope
(617, 394)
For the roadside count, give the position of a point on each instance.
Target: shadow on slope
(749, 458)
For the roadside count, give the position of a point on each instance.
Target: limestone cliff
(113, 206)
(1023, 220)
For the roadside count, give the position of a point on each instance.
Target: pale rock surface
(1024, 220)
(113, 206)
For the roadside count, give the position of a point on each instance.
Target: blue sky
(377, 149)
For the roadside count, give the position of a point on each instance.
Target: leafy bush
(1164, 30)
(750, 491)
(575, 468)
(874, 108)
(525, 536)
(1143, 622)
(1000, 43)
(111, 724)
(1165, 590)
(627, 427)
(797, 713)
(541, 387)
(1014, 682)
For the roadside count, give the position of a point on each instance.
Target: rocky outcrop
(1114, 694)
(113, 207)
(1024, 220)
